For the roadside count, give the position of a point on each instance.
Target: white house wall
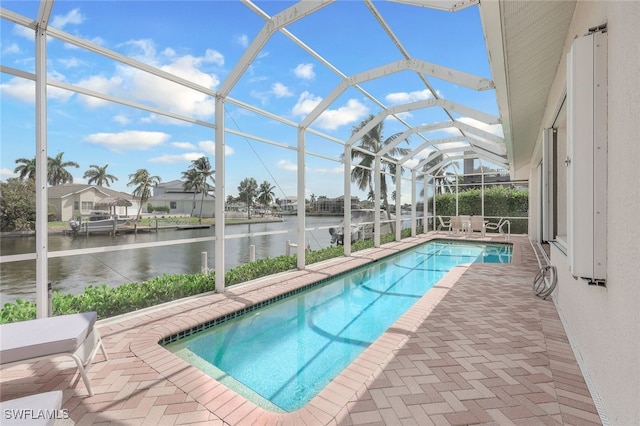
(604, 322)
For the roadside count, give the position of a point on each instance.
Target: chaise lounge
(66, 335)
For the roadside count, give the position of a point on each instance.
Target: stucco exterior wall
(604, 322)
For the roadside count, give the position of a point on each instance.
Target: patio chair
(500, 227)
(443, 224)
(66, 335)
(477, 224)
(47, 402)
(456, 224)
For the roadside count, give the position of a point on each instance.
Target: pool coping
(330, 405)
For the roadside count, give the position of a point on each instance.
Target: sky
(202, 41)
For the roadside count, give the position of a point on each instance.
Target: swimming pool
(282, 355)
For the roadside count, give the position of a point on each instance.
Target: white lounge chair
(443, 224)
(478, 224)
(66, 335)
(33, 410)
(500, 227)
(456, 224)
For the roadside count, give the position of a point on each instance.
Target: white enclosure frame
(474, 142)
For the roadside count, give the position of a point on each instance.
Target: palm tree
(57, 173)
(191, 183)
(99, 175)
(266, 194)
(197, 176)
(143, 181)
(440, 177)
(27, 168)
(373, 142)
(247, 191)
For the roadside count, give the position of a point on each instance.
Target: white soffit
(525, 40)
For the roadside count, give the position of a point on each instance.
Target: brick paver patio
(479, 348)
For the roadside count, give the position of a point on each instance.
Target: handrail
(543, 287)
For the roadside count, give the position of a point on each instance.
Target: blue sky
(202, 41)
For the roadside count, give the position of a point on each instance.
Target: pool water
(284, 354)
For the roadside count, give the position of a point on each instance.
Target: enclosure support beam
(376, 202)
(346, 224)
(435, 226)
(42, 239)
(414, 205)
(220, 197)
(399, 203)
(301, 200)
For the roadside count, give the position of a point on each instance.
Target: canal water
(71, 274)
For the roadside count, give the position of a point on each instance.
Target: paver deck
(479, 348)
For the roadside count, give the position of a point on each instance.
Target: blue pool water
(284, 354)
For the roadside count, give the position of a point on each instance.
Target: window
(173, 205)
(87, 205)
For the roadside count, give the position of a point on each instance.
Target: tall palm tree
(247, 191)
(373, 142)
(57, 173)
(99, 175)
(27, 169)
(191, 182)
(200, 175)
(266, 194)
(143, 181)
(440, 177)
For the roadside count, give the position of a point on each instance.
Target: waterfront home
(72, 200)
(178, 200)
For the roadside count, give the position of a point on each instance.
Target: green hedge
(498, 202)
(111, 301)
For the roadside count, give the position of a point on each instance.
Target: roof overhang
(525, 41)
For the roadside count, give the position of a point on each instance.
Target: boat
(362, 223)
(98, 221)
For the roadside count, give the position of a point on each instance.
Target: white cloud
(25, 91)
(330, 119)
(12, 48)
(142, 49)
(406, 97)
(306, 103)
(19, 89)
(210, 147)
(214, 56)
(71, 62)
(73, 17)
(100, 84)
(121, 119)
(287, 165)
(183, 145)
(352, 112)
(128, 140)
(280, 90)
(171, 96)
(177, 158)
(242, 40)
(23, 32)
(7, 173)
(304, 71)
